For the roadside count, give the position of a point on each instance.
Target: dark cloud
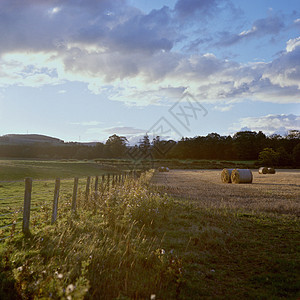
(147, 33)
(113, 25)
(188, 8)
(271, 25)
(103, 41)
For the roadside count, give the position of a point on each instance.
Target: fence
(41, 200)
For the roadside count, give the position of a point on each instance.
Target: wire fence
(40, 202)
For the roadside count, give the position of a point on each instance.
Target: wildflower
(152, 297)
(20, 269)
(70, 288)
(59, 275)
(162, 251)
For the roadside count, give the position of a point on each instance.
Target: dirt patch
(278, 193)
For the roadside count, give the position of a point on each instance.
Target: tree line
(273, 150)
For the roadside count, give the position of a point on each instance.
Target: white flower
(70, 288)
(59, 275)
(152, 297)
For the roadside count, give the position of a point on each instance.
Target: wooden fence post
(87, 188)
(102, 184)
(96, 189)
(55, 200)
(108, 181)
(27, 203)
(74, 198)
(96, 184)
(113, 180)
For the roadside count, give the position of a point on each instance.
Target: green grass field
(136, 241)
(20, 169)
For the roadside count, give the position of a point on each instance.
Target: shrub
(268, 157)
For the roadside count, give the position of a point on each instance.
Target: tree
(245, 144)
(296, 154)
(116, 146)
(284, 158)
(268, 157)
(145, 145)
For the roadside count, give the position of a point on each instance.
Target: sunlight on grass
(133, 241)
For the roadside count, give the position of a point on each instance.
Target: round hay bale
(226, 175)
(271, 171)
(263, 170)
(241, 176)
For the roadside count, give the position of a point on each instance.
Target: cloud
(285, 70)
(223, 108)
(271, 25)
(270, 124)
(132, 57)
(188, 8)
(132, 134)
(107, 25)
(124, 130)
(88, 123)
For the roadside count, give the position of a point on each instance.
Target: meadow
(49, 169)
(176, 235)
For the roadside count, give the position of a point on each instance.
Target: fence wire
(42, 197)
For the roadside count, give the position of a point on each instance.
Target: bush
(268, 157)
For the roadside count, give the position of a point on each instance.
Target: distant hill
(19, 139)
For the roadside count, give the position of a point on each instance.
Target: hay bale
(161, 169)
(226, 175)
(263, 170)
(241, 176)
(271, 171)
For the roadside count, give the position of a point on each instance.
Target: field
(278, 193)
(176, 235)
(39, 169)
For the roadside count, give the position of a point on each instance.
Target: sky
(83, 70)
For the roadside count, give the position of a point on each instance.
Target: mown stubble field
(277, 193)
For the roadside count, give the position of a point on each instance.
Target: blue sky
(83, 70)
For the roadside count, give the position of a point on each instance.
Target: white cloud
(270, 124)
(124, 130)
(292, 44)
(223, 108)
(54, 10)
(88, 123)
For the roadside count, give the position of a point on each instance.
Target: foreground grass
(135, 242)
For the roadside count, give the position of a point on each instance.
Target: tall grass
(103, 252)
